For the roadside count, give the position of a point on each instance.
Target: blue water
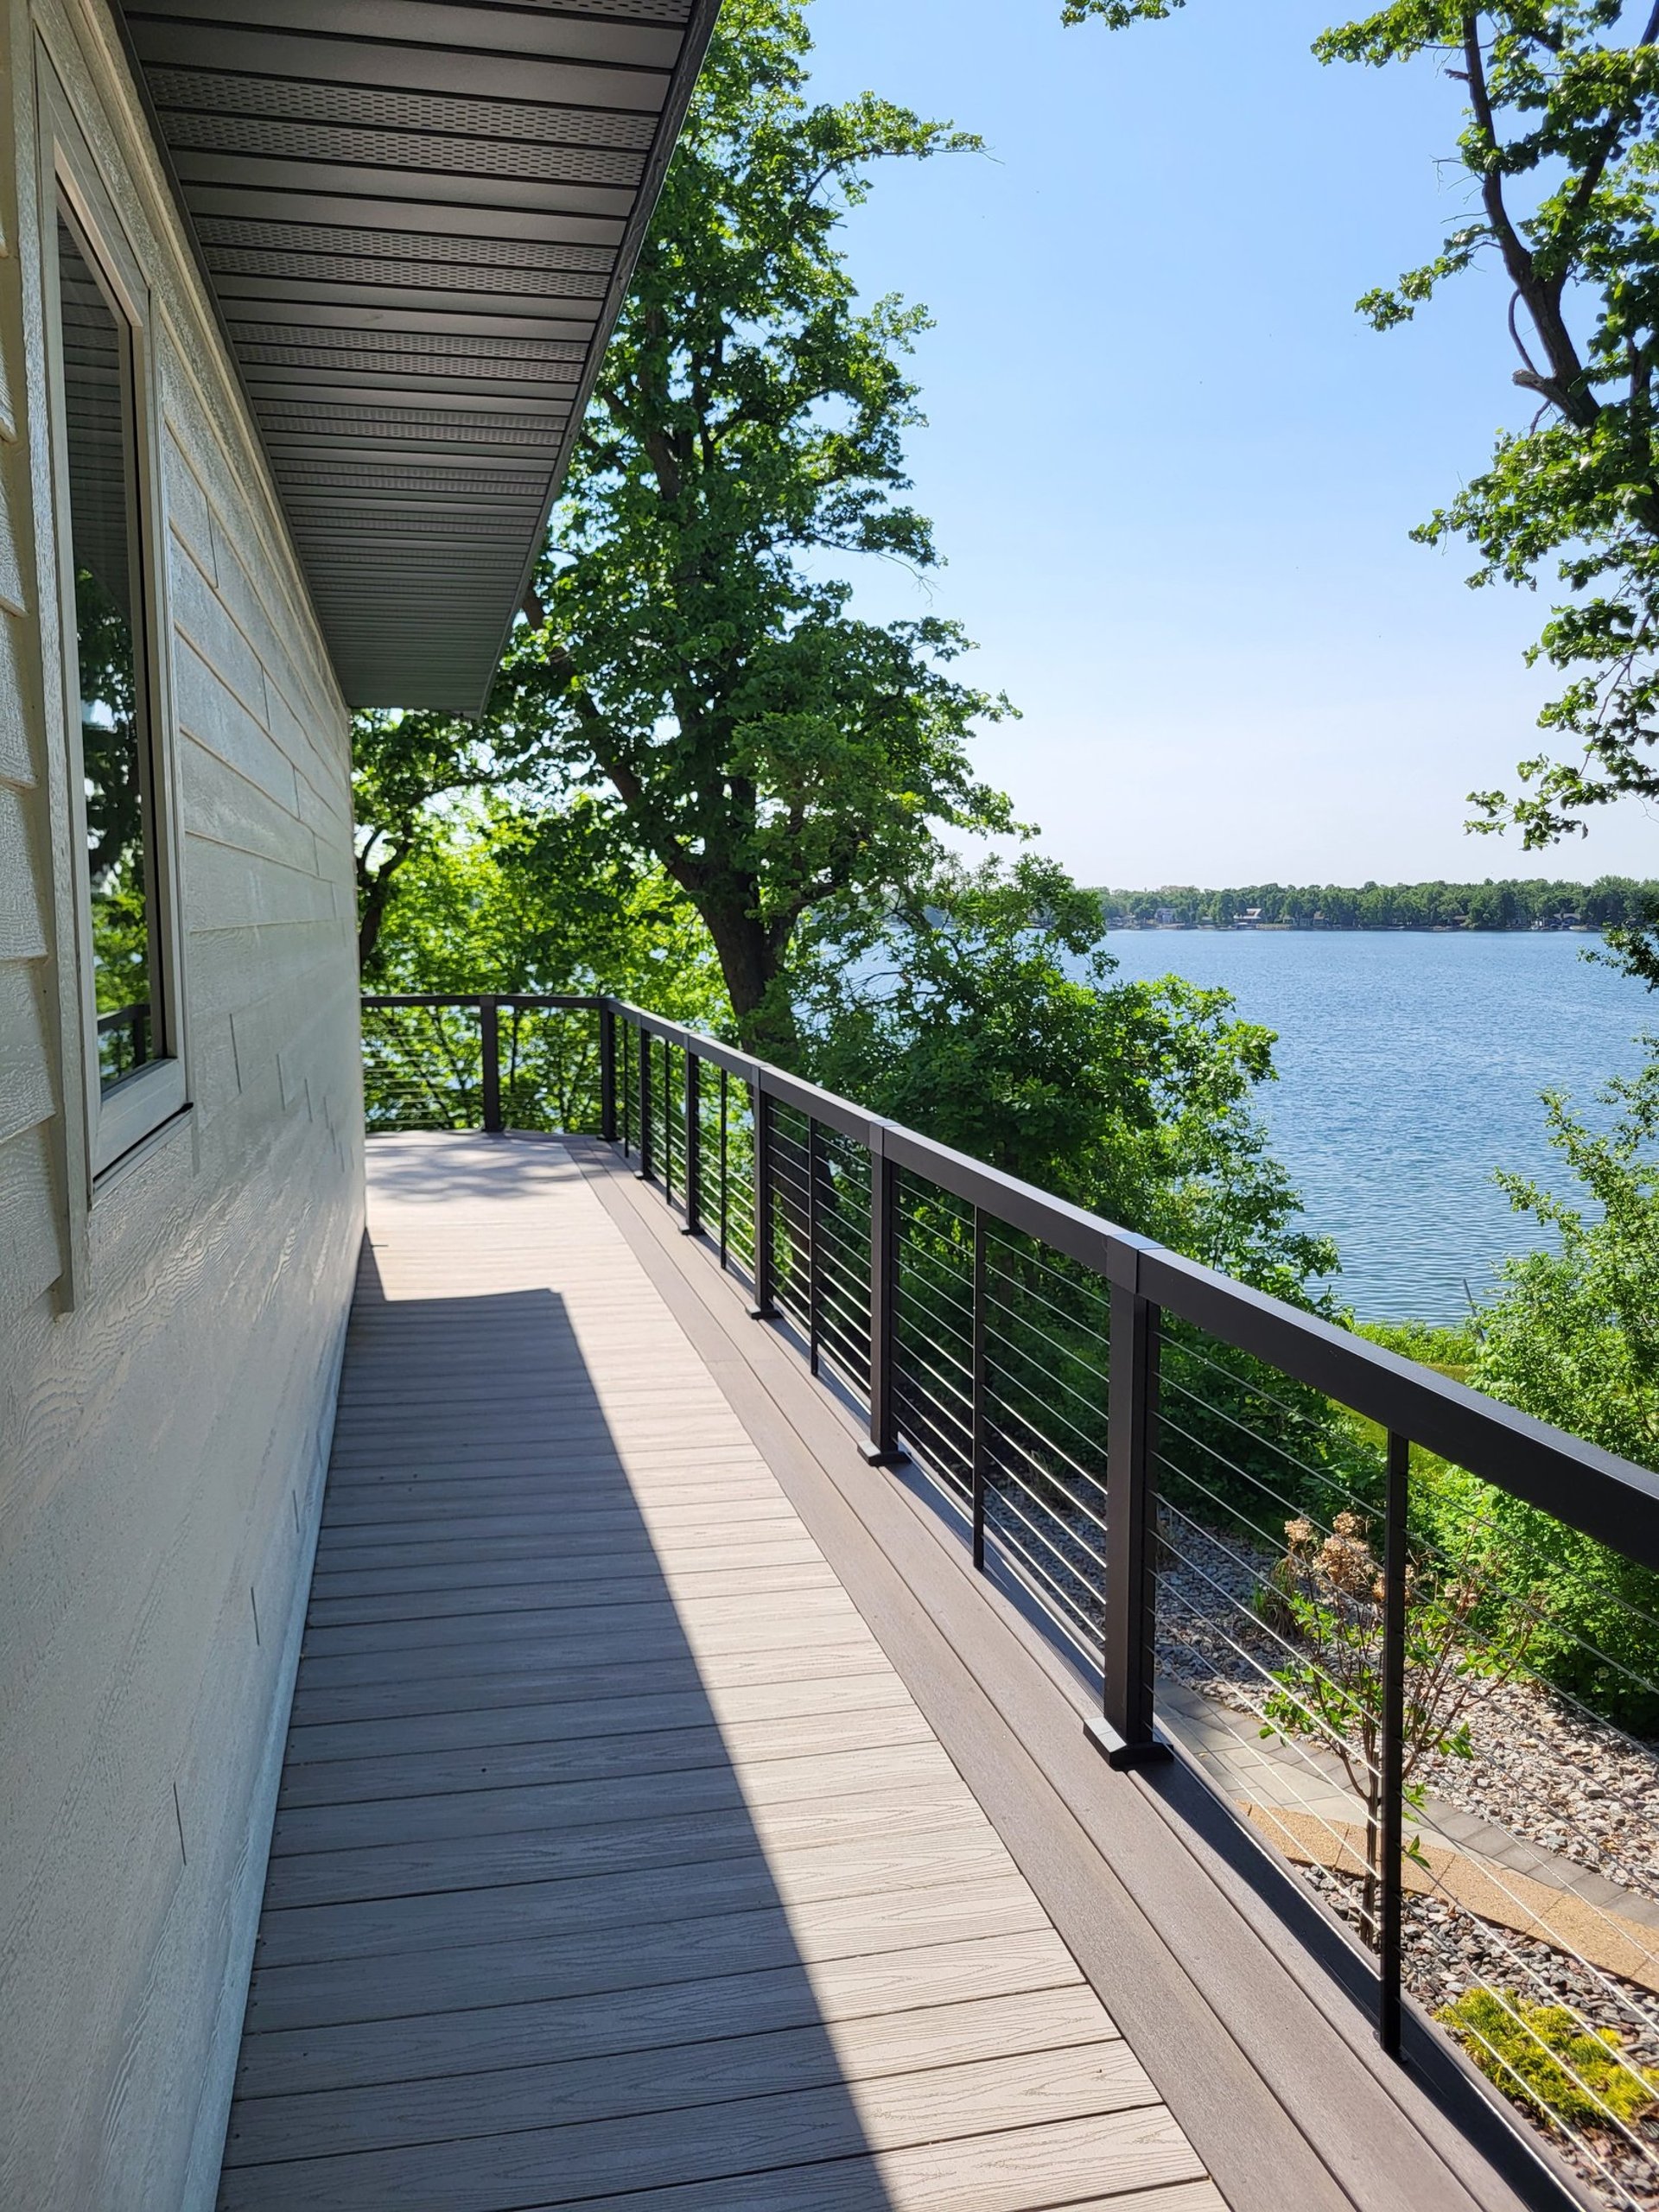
(1409, 1069)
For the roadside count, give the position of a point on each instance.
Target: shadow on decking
(438, 1167)
(520, 1945)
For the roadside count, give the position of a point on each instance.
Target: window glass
(101, 452)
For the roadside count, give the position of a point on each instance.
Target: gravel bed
(1447, 1952)
(1543, 1770)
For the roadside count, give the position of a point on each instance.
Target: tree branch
(1565, 387)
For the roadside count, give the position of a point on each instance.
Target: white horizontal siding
(162, 1441)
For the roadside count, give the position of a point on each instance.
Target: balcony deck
(619, 1859)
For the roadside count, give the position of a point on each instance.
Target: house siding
(168, 1341)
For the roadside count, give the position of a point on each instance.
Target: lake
(1409, 1068)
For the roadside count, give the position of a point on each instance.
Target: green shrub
(1447, 1350)
(1548, 2060)
(1573, 1337)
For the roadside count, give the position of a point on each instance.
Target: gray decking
(615, 1864)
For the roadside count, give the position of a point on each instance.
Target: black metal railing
(124, 1039)
(1128, 1434)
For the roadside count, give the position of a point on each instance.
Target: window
(134, 1077)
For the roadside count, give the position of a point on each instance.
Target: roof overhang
(419, 219)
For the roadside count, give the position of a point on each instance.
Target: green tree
(1559, 149)
(684, 654)
(979, 1005)
(1573, 1337)
(506, 899)
(495, 897)
(403, 766)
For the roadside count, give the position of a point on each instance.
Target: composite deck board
(621, 1638)
(787, 1705)
(478, 2173)
(466, 1599)
(657, 2016)
(589, 1959)
(613, 1865)
(639, 1614)
(615, 2084)
(441, 1520)
(420, 1691)
(381, 1927)
(558, 1805)
(660, 1840)
(618, 1560)
(378, 1776)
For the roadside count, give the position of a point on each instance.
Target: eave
(419, 221)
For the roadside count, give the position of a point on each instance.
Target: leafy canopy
(511, 899)
(404, 767)
(695, 730)
(685, 656)
(1573, 1337)
(979, 1005)
(503, 898)
(1559, 151)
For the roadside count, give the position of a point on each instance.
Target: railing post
(722, 1169)
(693, 1144)
(881, 1449)
(489, 1030)
(812, 1245)
(1391, 1836)
(1124, 1730)
(607, 1074)
(979, 1385)
(644, 1169)
(668, 1139)
(765, 1306)
(627, 1092)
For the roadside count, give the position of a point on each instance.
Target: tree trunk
(765, 1020)
(375, 892)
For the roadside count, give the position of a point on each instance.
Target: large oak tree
(691, 652)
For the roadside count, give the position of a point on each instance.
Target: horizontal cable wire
(999, 1278)
(1010, 1476)
(996, 1436)
(1082, 1472)
(1320, 1474)
(1003, 1380)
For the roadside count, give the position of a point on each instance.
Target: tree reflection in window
(115, 750)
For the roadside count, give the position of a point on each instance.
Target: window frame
(124, 1117)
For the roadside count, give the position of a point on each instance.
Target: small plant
(1548, 2060)
(1326, 1594)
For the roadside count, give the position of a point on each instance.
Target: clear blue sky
(1171, 470)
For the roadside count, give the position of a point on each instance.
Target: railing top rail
(1592, 1490)
(575, 1002)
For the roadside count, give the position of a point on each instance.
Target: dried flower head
(1345, 1563)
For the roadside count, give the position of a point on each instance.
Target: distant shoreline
(1505, 906)
(1117, 925)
